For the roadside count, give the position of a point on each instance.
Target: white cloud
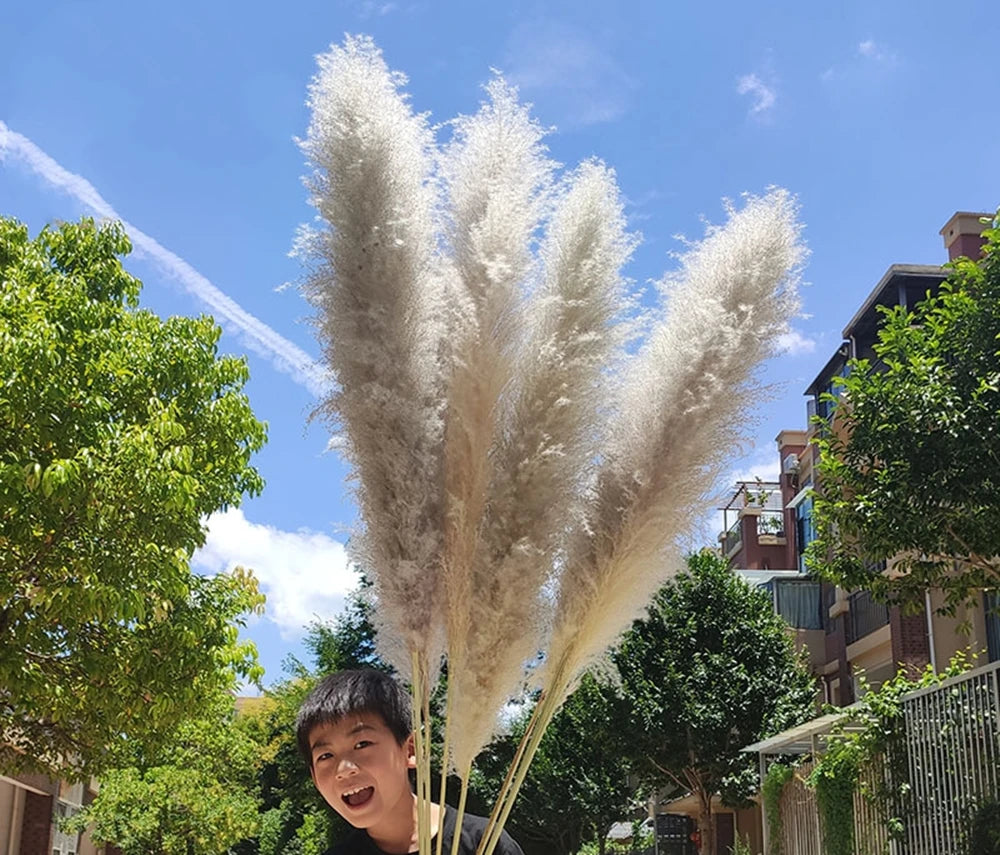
(258, 336)
(877, 52)
(762, 464)
(305, 574)
(570, 74)
(795, 343)
(869, 55)
(763, 95)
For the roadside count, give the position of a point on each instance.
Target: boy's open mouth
(358, 797)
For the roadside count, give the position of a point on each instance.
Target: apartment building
(768, 525)
(30, 809)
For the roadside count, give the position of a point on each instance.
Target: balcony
(754, 525)
(864, 616)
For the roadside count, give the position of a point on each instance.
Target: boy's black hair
(348, 692)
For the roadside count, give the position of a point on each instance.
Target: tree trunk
(705, 829)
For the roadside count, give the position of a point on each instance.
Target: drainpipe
(930, 629)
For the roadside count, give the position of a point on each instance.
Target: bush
(984, 835)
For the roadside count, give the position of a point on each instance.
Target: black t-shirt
(359, 843)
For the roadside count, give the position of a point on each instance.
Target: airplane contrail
(258, 336)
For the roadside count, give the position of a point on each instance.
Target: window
(805, 531)
(799, 602)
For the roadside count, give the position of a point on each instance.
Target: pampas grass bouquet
(525, 462)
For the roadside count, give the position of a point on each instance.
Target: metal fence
(799, 815)
(953, 755)
(951, 740)
(733, 538)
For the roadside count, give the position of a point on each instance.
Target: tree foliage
(119, 434)
(710, 670)
(193, 796)
(910, 471)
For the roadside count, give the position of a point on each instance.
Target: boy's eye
(364, 743)
(326, 755)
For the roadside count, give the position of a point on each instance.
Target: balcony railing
(732, 539)
(771, 522)
(864, 616)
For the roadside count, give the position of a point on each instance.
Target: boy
(354, 732)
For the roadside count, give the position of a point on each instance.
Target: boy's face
(362, 771)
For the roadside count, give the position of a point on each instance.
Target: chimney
(963, 234)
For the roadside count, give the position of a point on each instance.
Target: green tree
(710, 670)
(910, 469)
(119, 434)
(581, 780)
(195, 795)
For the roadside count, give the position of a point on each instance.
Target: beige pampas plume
(683, 399)
(497, 180)
(546, 440)
(683, 406)
(376, 284)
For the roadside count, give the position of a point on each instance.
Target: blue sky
(180, 118)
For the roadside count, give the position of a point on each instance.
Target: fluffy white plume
(377, 286)
(683, 403)
(544, 444)
(497, 177)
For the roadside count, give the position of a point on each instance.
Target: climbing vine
(777, 776)
(835, 778)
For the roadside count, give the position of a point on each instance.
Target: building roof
(620, 831)
(913, 279)
(831, 369)
(884, 294)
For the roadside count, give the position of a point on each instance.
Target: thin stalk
(492, 834)
(540, 718)
(461, 812)
(428, 737)
(445, 748)
(512, 769)
(419, 742)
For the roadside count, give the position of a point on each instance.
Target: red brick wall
(909, 640)
(968, 245)
(36, 829)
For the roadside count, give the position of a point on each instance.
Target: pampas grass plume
(683, 403)
(544, 441)
(376, 283)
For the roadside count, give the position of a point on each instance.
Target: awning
(806, 738)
